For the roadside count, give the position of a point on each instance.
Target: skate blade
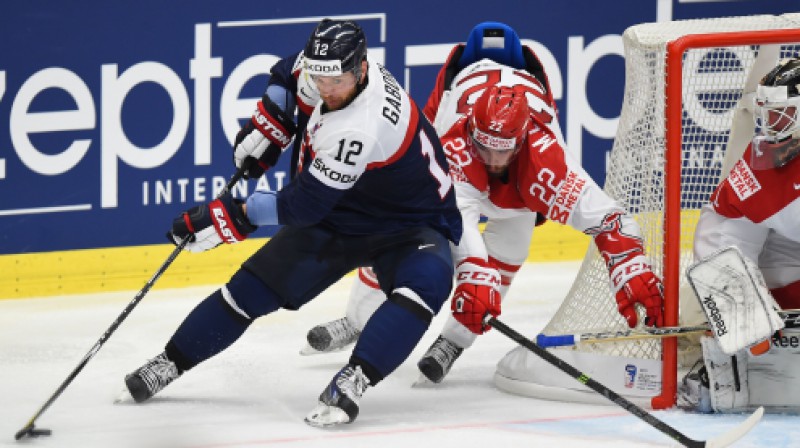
(423, 382)
(324, 416)
(123, 397)
(308, 350)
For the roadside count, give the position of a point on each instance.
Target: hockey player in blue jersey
(372, 189)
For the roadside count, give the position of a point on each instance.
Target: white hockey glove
(268, 133)
(209, 225)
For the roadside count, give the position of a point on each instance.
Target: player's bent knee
(430, 278)
(413, 303)
(248, 296)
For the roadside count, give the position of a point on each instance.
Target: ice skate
(437, 361)
(338, 403)
(330, 337)
(149, 379)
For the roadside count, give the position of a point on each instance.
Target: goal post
(686, 117)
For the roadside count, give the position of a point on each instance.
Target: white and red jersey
(543, 179)
(758, 211)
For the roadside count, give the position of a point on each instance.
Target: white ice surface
(257, 392)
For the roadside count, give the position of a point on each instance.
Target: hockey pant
(296, 265)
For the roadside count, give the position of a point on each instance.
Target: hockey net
(685, 120)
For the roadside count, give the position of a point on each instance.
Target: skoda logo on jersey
(323, 68)
(332, 174)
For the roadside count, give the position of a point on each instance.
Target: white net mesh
(714, 80)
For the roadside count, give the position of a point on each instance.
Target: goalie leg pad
(768, 380)
(727, 377)
(774, 377)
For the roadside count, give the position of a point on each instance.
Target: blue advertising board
(117, 116)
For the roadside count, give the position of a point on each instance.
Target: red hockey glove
(476, 294)
(222, 220)
(263, 138)
(634, 283)
(617, 239)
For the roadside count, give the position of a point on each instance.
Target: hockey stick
(30, 429)
(563, 340)
(719, 441)
(791, 319)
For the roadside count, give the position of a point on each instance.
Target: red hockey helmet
(498, 123)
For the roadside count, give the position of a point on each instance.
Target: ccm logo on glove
(629, 270)
(482, 277)
(476, 294)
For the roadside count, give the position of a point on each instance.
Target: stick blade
(31, 431)
(738, 432)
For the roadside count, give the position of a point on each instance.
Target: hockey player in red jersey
(756, 208)
(509, 164)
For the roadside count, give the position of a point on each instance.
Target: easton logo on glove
(221, 220)
(272, 130)
(207, 226)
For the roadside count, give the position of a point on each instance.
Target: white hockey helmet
(777, 115)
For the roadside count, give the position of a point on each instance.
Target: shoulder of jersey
(374, 116)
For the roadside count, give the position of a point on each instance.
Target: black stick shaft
(29, 427)
(594, 385)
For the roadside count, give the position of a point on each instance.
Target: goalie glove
(632, 279)
(263, 138)
(209, 225)
(476, 294)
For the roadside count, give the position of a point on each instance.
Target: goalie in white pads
(756, 209)
(508, 163)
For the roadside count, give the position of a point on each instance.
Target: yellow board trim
(129, 268)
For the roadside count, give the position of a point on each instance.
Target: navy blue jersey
(374, 166)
